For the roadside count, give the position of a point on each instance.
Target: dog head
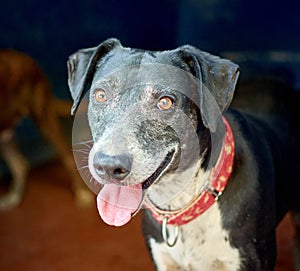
(142, 107)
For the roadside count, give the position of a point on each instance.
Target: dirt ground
(48, 232)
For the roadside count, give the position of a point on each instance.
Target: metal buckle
(215, 193)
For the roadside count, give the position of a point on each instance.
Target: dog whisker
(84, 167)
(81, 151)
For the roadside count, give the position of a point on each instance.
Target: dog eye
(100, 96)
(165, 103)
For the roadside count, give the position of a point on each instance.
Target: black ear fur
(218, 75)
(81, 68)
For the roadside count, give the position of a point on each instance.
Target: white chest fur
(203, 245)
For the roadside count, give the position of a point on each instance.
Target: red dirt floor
(48, 232)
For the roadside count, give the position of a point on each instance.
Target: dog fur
(238, 231)
(25, 92)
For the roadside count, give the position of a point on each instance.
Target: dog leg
(163, 260)
(50, 127)
(167, 264)
(19, 168)
(296, 242)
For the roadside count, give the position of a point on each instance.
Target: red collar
(219, 179)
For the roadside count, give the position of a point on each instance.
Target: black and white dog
(214, 182)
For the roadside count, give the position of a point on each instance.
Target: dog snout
(112, 167)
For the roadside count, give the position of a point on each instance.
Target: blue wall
(51, 30)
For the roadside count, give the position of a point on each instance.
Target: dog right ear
(219, 76)
(82, 66)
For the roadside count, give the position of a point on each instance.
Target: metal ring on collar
(165, 233)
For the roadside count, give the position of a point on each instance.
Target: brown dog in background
(25, 92)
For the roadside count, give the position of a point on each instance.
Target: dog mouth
(155, 175)
(117, 204)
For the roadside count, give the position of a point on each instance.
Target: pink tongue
(116, 203)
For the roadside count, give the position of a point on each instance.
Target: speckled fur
(203, 245)
(238, 232)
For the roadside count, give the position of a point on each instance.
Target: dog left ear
(82, 66)
(218, 75)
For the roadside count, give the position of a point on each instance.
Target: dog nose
(112, 167)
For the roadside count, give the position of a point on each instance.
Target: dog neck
(205, 189)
